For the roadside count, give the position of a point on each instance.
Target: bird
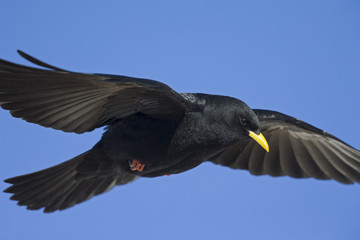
(151, 131)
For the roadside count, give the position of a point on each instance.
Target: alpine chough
(152, 131)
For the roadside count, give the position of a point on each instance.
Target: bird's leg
(136, 165)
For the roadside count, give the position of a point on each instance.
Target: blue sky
(301, 58)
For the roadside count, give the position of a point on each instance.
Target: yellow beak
(260, 139)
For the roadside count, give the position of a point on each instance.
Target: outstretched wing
(297, 149)
(78, 102)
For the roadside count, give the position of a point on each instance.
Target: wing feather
(304, 159)
(288, 162)
(256, 160)
(242, 161)
(272, 159)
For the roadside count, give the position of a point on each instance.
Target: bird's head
(249, 123)
(239, 118)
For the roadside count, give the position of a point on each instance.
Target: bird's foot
(136, 165)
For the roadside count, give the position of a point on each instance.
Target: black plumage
(154, 131)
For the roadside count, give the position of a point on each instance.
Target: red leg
(133, 165)
(140, 167)
(136, 165)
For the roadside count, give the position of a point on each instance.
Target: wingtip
(24, 55)
(8, 180)
(39, 62)
(8, 190)
(21, 53)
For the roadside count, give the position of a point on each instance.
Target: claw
(136, 165)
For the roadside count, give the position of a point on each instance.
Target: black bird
(151, 131)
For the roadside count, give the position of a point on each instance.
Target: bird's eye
(243, 121)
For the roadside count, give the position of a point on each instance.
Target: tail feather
(60, 186)
(43, 173)
(41, 196)
(21, 186)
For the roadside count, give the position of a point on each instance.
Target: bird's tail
(61, 186)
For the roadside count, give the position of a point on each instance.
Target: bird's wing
(297, 149)
(77, 102)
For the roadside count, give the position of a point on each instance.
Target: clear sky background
(301, 58)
